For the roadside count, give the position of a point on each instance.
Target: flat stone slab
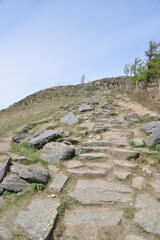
(39, 218)
(4, 233)
(97, 144)
(156, 186)
(30, 174)
(73, 164)
(100, 191)
(14, 183)
(125, 154)
(124, 164)
(84, 108)
(149, 215)
(134, 237)
(122, 175)
(100, 165)
(139, 183)
(87, 171)
(4, 168)
(138, 142)
(24, 137)
(91, 156)
(85, 223)
(44, 138)
(58, 182)
(54, 152)
(69, 119)
(154, 138)
(150, 127)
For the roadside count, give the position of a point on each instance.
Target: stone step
(97, 144)
(92, 156)
(122, 153)
(87, 171)
(124, 164)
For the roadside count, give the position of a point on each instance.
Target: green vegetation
(110, 236)
(24, 150)
(147, 70)
(129, 213)
(37, 187)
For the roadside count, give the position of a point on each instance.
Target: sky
(46, 43)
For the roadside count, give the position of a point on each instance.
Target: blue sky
(45, 43)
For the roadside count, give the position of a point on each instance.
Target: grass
(37, 187)
(24, 150)
(109, 236)
(44, 164)
(31, 125)
(129, 213)
(156, 158)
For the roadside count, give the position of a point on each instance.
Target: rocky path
(109, 190)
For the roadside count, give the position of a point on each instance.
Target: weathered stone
(97, 144)
(30, 174)
(85, 223)
(93, 102)
(91, 156)
(149, 215)
(154, 138)
(134, 237)
(87, 171)
(44, 138)
(24, 137)
(122, 175)
(53, 168)
(124, 153)
(150, 127)
(38, 220)
(124, 164)
(4, 233)
(1, 201)
(147, 171)
(100, 191)
(156, 186)
(14, 183)
(73, 164)
(54, 152)
(138, 142)
(85, 107)
(1, 191)
(69, 119)
(132, 117)
(58, 182)
(4, 168)
(88, 125)
(139, 183)
(78, 150)
(100, 165)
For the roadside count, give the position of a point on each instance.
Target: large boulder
(69, 119)
(38, 220)
(30, 174)
(54, 152)
(44, 138)
(24, 137)
(150, 127)
(4, 168)
(85, 107)
(154, 138)
(14, 183)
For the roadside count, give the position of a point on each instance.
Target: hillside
(81, 162)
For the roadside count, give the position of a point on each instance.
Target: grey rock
(1, 191)
(134, 237)
(138, 142)
(30, 174)
(84, 107)
(38, 220)
(156, 187)
(139, 183)
(124, 164)
(73, 164)
(99, 165)
(1, 201)
(14, 183)
(44, 138)
(69, 119)
(100, 192)
(124, 153)
(4, 168)
(85, 223)
(150, 127)
(147, 171)
(54, 152)
(93, 102)
(154, 138)
(149, 216)
(58, 182)
(4, 233)
(122, 174)
(87, 171)
(97, 144)
(91, 156)
(53, 168)
(132, 117)
(24, 137)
